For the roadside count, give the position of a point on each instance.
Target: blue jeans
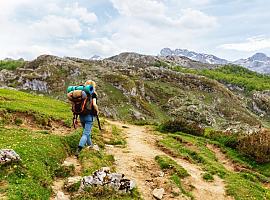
(87, 123)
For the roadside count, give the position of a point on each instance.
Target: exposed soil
(28, 121)
(137, 161)
(227, 163)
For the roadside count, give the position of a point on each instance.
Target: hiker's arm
(95, 105)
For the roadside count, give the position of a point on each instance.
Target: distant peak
(259, 56)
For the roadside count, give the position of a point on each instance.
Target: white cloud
(139, 8)
(251, 44)
(100, 46)
(62, 29)
(82, 13)
(56, 26)
(155, 12)
(146, 26)
(196, 19)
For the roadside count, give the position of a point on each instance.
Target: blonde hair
(93, 83)
(90, 82)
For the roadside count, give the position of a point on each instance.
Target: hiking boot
(78, 151)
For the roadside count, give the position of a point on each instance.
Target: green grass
(167, 163)
(11, 64)
(176, 171)
(39, 106)
(233, 74)
(208, 177)
(240, 185)
(41, 155)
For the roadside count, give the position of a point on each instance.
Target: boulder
(158, 193)
(103, 177)
(8, 156)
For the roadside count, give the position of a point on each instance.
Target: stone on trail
(8, 156)
(61, 196)
(158, 193)
(96, 147)
(103, 177)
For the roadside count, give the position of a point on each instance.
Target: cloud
(251, 44)
(139, 8)
(99, 46)
(56, 26)
(70, 29)
(146, 26)
(82, 13)
(155, 12)
(196, 19)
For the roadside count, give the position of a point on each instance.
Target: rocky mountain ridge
(259, 62)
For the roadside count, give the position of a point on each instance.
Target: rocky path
(137, 160)
(58, 184)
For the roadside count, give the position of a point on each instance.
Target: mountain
(201, 57)
(135, 87)
(95, 57)
(259, 62)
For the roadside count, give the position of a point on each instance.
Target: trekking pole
(98, 123)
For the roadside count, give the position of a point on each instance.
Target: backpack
(82, 104)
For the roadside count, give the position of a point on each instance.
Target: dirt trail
(137, 160)
(58, 184)
(227, 163)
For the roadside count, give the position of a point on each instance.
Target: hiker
(87, 119)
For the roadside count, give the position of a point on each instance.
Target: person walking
(88, 119)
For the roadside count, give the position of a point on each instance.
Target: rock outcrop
(8, 156)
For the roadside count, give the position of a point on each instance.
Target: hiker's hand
(76, 122)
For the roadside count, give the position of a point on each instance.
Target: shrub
(11, 64)
(226, 138)
(256, 146)
(181, 125)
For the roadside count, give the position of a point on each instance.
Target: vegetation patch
(167, 163)
(11, 64)
(208, 177)
(41, 156)
(235, 75)
(176, 171)
(34, 105)
(240, 185)
(106, 193)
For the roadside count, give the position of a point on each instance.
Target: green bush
(11, 64)
(226, 138)
(208, 177)
(181, 125)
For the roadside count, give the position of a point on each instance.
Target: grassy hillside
(42, 150)
(233, 74)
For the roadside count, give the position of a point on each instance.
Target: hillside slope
(142, 88)
(186, 166)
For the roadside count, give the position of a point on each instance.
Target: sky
(230, 29)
